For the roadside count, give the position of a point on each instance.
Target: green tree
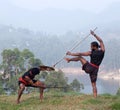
(43, 75)
(118, 92)
(1, 86)
(34, 62)
(16, 62)
(76, 85)
(12, 61)
(56, 79)
(26, 54)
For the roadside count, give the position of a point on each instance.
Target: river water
(109, 86)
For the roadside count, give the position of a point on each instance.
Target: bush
(56, 80)
(116, 106)
(118, 92)
(76, 85)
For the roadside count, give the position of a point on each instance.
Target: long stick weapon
(74, 48)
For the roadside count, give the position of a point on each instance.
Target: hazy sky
(91, 5)
(59, 16)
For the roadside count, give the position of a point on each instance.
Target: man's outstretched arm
(79, 54)
(100, 40)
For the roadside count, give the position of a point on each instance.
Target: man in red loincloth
(27, 80)
(96, 56)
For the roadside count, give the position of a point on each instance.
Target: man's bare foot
(41, 98)
(67, 59)
(17, 102)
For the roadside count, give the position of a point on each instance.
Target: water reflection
(109, 86)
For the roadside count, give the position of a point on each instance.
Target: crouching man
(27, 80)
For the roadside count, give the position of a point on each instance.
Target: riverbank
(102, 74)
(109, 75)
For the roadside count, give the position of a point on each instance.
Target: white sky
(36, 5)
(11, 14)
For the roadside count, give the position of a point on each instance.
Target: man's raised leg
(81, 59)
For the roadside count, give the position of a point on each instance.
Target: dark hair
(95, 44)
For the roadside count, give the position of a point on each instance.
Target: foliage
(16, 62)
(52, 47)
(57, 80)
(34, 62)
(76, 85)
(1, 87)
(118, 92)
(12, 84)
(43, 75)
(116, 106)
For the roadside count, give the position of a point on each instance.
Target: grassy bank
(60, 101)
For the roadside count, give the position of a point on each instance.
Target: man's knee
(22, 86)
(40, 84)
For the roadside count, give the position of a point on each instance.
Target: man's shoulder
(35, 70)
(102, 51)
(25, 74)
(98, 52)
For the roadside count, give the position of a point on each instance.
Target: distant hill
(51, 48)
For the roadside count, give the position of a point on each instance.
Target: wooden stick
(73, 48)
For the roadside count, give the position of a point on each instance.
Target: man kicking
(96, 56)
(27, 80)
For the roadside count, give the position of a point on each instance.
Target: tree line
(15, 62)
(50, 48)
